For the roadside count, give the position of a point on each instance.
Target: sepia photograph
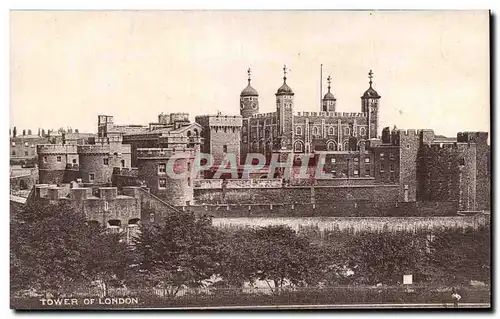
(232, 159)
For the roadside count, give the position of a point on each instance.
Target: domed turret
(284, 89)
(370, 93)
(249, 90)
(249, 99)
(329, 99)
(369, 106)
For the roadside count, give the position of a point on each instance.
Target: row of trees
(53, 248)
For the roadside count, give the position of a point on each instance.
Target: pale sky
(431, 68)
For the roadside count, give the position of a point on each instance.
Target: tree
(284, 256)
(181, 252)
(239, 252)
(53, 248)
(460, 255)
(384, 257)
(108, 259)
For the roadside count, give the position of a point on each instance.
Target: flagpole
(320, 87)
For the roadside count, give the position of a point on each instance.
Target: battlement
(151, 153)
(54, 192)
(264, 115)
(48, 149)
(408, 132)
(179, 117)
(472, 137)
(441, 146)
(93, 149)
(220, 120)
(125, 171)
(331, 114)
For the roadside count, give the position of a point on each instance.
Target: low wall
(296, 194)
(333, 209)
(357, 223)
(58, 176)
(24, 182)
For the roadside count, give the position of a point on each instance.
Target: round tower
(167, 172)
(369, 106)
(249, 99)
(329, 100)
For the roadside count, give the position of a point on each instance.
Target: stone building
(456, 170)
(285, 131)
(117, 210)
(92, 162)
(221, 135)
(397, 166)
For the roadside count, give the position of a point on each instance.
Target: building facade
(363, 165)
(285, 131)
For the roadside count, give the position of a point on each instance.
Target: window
(13, 153)
(331, 130)
(381, 155)
(91, 177)
(362, 131)
(123, 163)
(162, 183)
(331, 146)
(333, 160)
(45, 159)
(25, 144)
(347, 131)
(74, 161)
(106, 206)
(356, 159)
(315, 131)
(162, 168)
(334, 173)
(462, 161)
(13, 143)
(59, 158)
(356, 172)
(367, 160)
(392, 167)
(298, 130)
(299, 147)
(367, 172)
(391, 155)
(381, 168)
(224, 148)
(407, 145)
(32, 145)
(151, 217)
(25, 153)
(106, 161)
